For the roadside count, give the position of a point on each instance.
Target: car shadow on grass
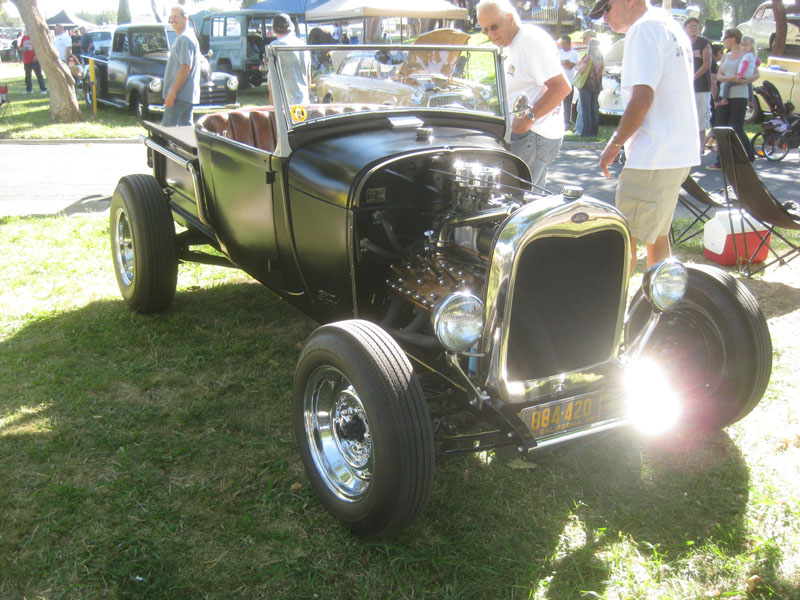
(153, 456)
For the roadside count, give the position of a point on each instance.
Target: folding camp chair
(760, 204)
(701, 209)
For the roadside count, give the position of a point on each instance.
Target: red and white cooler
(719, 233)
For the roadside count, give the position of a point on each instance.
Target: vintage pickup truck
(460, 309)
(130, 73)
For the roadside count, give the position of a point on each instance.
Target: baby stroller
(782, 132)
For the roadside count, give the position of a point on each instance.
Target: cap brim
(597, 9)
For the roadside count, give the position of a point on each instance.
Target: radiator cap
(572, 192)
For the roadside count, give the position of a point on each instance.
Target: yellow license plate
(563, 415)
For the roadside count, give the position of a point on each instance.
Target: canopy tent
(342, 10)
(291, 7)
(64, 18)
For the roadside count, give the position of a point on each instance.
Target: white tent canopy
(342, 10)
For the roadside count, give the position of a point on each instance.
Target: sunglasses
(607, 8)
(492, 28)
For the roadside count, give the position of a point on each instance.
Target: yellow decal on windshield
(298, 114)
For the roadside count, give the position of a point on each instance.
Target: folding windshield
(318, 82)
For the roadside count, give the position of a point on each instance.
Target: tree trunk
(123, 12)
(63, 103)
(558, 19)
(779, 13)
(154, 8)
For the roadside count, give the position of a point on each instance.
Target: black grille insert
(566, 304)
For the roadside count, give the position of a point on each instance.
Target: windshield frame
(286, 124)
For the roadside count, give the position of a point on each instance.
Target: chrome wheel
(338, 433)
(123, 248)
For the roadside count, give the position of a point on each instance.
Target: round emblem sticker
(298, 114)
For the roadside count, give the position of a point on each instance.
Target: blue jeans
(537, 152)
(178, 114)
(590, 113)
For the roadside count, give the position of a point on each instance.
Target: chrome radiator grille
(565, 305)
(444, 99)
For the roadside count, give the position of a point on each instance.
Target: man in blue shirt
(182, 76)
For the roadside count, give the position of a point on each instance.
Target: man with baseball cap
(294, 65)
(659, 126)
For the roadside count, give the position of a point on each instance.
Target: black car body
(129, 73)
(461, 311)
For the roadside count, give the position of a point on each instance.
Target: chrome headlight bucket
(458, 320)
(232, 84)
(155, 86)
(664, 284)
(417, 96)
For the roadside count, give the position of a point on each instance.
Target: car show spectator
(533, 68)
(586, 37)
(182, 76)
(659, 125)
(62, 42)
(31, 65)
(87, 44)
(569, 62)
(701, 55)
(589, 80)
(294, 65)
(732, 113)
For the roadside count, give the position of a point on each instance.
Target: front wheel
(775, 147)
(139, 107)
(143, 244)
(363, 427)
(715, 346)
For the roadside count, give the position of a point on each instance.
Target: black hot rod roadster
(461, 310)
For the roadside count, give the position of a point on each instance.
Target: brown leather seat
(263, 131)
(242, 130)
(216, 123)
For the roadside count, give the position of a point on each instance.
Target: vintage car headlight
(232, 84)
(458, 321)
(154, 85)
(486, 93)
(417, 96)
(665, 283)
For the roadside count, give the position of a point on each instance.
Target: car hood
(312, 171)
(436, 61)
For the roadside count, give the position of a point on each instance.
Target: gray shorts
(648, 198)
(703, 102)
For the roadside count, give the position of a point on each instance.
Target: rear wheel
(756, 142)
(715, 346)
(362, 427)
(753, 113)
(143, 244)
(775, 147)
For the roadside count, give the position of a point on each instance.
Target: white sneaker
(44, 92)
(26, 92)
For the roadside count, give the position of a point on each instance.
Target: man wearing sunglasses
(532, 67)
(659, 126)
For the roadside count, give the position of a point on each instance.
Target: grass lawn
(152, 457)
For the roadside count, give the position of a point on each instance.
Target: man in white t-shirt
(569, 61)
(63, 42)
(532, 67)
(659, 125)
